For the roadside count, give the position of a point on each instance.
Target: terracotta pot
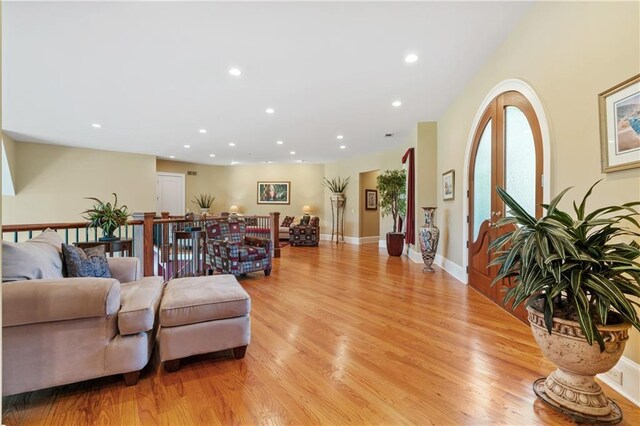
(395, 243)
(572, 385)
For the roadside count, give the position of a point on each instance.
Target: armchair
(230, 251)
(305, 234)
(59, 330)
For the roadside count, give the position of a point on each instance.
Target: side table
(124, 247)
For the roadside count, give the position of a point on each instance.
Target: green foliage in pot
(576, 268)
(392, 193)
(106, 216)
(336, 185)
(204, 201)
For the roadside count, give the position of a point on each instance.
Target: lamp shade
(306, 210)
(234, 209)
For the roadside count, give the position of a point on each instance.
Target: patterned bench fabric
(305, 235)
(230, 251)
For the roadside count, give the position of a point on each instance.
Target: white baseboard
(351, 240)
(415, 256)
(382, 243)
(630, 387)
(452, 268)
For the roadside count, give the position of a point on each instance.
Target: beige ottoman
(203, 314)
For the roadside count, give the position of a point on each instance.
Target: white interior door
(170, 193)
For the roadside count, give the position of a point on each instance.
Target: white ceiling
(153, 74)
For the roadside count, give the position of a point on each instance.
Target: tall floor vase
(429, 236)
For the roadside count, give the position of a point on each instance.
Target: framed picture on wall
(274, 192)
(449, 185)
(620, 126)
(371, 199)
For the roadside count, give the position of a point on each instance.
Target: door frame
(184, 189)
(516, 85)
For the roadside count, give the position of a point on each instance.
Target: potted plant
(579, 279)
(204, 201)
(106, 216)
(391, 187)
(336, 185)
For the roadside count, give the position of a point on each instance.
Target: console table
(124, 247)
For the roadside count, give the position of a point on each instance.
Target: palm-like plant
(106, 216)
(204, 201)
(576, 265)
(336, 185)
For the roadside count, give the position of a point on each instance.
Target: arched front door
(506, 152)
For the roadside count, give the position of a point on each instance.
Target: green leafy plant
(204, 201)
(336, 185)
(574, 268)
(106, 216)
(392, 190)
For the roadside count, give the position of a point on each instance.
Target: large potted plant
(392, 187)
(106, 216)
(579, 276)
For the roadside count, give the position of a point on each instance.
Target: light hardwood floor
(340, 334)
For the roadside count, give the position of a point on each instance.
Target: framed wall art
(449, 185)
(274, 192)
(371, 199)
(620, 126)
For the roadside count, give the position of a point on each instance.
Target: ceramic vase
(429, 235)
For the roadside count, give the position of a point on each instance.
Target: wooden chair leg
(238, 353)
(172, 365)
(131, 378)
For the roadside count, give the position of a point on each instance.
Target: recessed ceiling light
(203, 131)
(396, 103)
(269, 110)
(340, 137)
(411, 58)
(343, 147)
(235, 72)
(96, 125)
(232, 144)
(172, 156)
(268, 162)
(233, 163)
(279, 142)
(212, 155)
(301, 161)
(292, 152)
(187, 146)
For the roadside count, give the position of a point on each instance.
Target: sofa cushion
(89, 262)
(246, 253)
(140, 301)
(197, 299)
(287, 221)
(38, 258)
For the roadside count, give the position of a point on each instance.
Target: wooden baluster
(275, 233)
(148, 243)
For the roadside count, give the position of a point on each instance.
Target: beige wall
(369, 219)
(237, 185)
(568, 52)
(426, 169)
(10, 149)
(51, 182)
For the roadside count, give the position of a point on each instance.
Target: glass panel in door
(520, 159)
(482, 181)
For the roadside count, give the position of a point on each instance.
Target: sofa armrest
(36, 301)
(124, 269)
(257, 242)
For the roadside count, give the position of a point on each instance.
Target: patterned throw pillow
(288, 220)
(90, 262)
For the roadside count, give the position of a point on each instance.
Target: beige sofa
(64, 330)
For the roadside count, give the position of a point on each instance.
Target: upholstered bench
(199, 315)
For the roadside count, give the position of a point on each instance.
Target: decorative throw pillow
(90, 262)
(288, 220)
(38, 258)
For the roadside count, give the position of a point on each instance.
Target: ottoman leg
(238, 353)
(172, 365)
(131, 378)
(267, 272)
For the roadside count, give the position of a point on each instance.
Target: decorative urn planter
(395, 243)
(429, 236)
(572, 388)
(204, 211)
